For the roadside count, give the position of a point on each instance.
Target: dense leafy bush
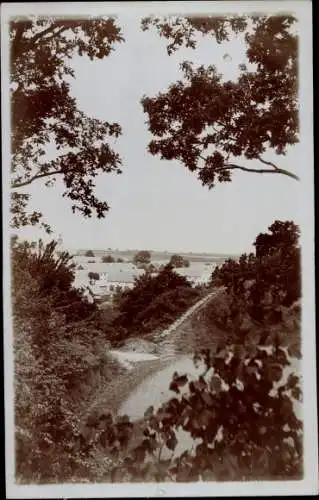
(89, 253)
(108, 259)
(106, 320)
(261, 284)
(178, 261)
(93, 276)
(54, 274)
(167, 307)
(155, 301)
(142, 257)
(60, 363)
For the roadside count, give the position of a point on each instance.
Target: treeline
(142, 259)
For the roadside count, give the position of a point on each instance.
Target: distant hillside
(160, 256)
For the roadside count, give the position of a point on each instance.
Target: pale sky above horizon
(158, 204)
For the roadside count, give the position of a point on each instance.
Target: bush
(53, 275)
(142, 257)
(261, 284)
(166, 308)
(93, 276)
(178, 261)
(134, 304)
(105, 320)
(60, 363)
(108, 259)
(89, 253)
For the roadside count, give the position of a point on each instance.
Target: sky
(158, 204)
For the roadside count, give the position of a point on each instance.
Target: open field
(158, 256)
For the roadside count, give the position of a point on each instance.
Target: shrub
(142, 257)
(260, 284)
(167, 307)
(108, 259)
(93, 276)
(60, 363)
(53, 274)
(143, 307)
(89, 253)
(178, 261)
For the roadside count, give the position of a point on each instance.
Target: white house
(111, 277)
(197, 274)
(115, 278)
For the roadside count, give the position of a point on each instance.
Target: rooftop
(195, 271)
(101, 267)
(115, 273)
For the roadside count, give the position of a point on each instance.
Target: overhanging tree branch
(17, 184)
(267, 163)
(276, 170)
(48, 30)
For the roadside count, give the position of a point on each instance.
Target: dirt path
(196, 307)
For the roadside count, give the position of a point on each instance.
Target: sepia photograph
(158, 242)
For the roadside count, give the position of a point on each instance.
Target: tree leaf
(171, 442)
(215, 384)
(274, 372)
(181, 381)
(149, 412)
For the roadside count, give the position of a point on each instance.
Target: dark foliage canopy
(53, 274)
(263, 282)
(142, 257)
(44, 114)
(93, 276)
(135, 302)
(108, 259)
(207, 122)
(282, 236)
(89, 253)
(178, 261)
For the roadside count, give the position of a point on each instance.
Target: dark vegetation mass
(155, 302)
(207, 123)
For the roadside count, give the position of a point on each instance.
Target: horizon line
(180, 252)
